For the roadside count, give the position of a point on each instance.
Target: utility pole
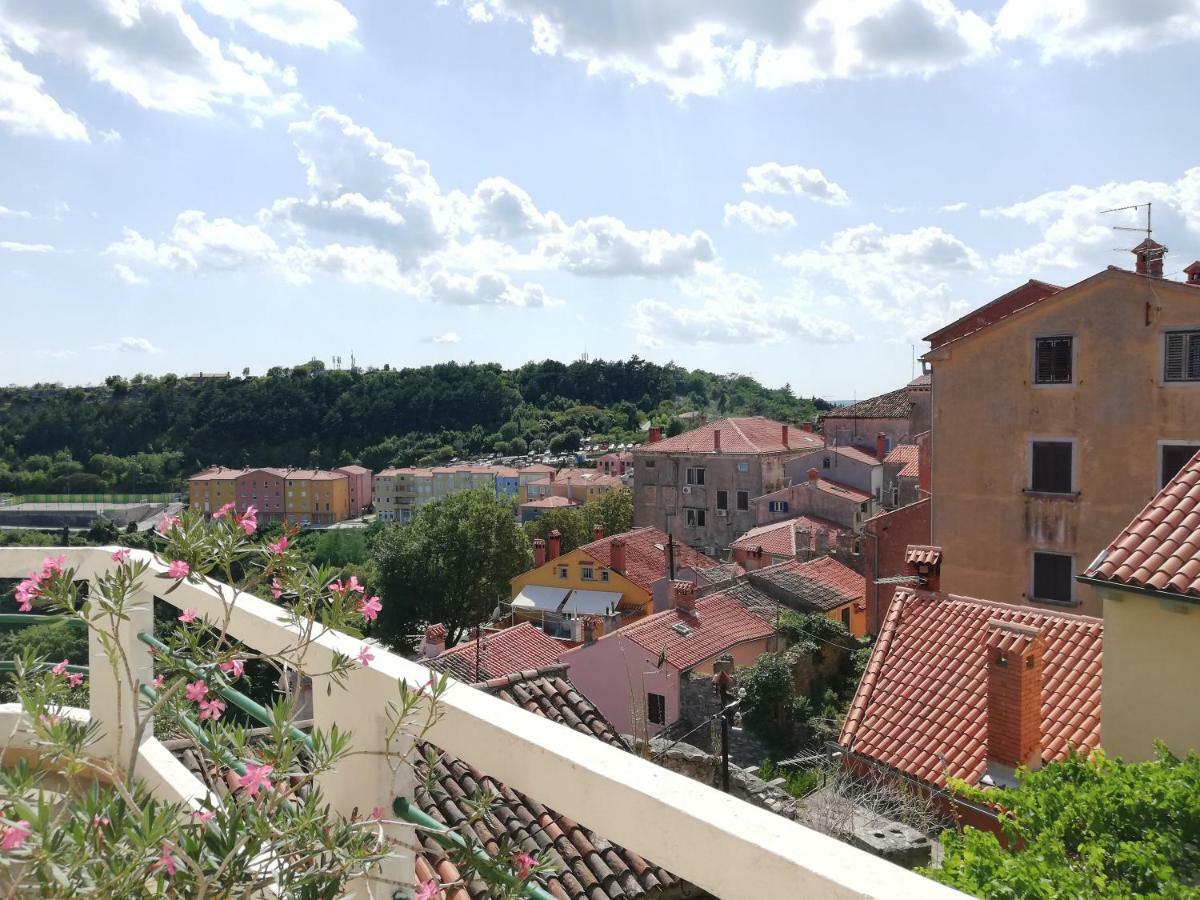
(722, 679)
(671, 555)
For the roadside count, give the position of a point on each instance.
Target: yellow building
(211, 489)
(1057, 413)
(316, 497)
(1149, 583)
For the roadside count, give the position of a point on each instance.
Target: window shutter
(1061, 350)
(1193, 356)
(1173, 368)
(1045, 362)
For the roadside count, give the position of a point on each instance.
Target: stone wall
(698, 702)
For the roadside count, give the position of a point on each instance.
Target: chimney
(1193, 273)
(597, 532)
(806, 427)
(813, 475)
(655, 434)
(539, 553)
(754, 558)
(785, 435)
(703, 418)
(880, 446)
(434, 641)
(925, 562)
(1149, 254)
(616, 554)
(716, 440)
(553, 544)
(589, 630)
(683, 596)
(1014, 694)
(820, 540)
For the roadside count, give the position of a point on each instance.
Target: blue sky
(797, 191)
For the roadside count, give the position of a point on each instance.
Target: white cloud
(702, 47)
(448, 337)
(605, 246)
(773, 178)
(357, 264)
(309, 23)
(6, 212)
(26, 109)
(20, 247)
(129, 345)
(501, 209)
(109, 135)
(197, 242)
(1084, 29)
(758, 217)
(953, 207)
(151, 51)
(126, 275)
(483, 289)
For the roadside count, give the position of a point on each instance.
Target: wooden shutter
(1052, 467)
(1052, 577)
(1053, 363)
(1173, 368)
(1193, 356)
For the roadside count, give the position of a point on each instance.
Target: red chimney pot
(806, 427)
(716, 440)
(880, 446)
(597, 532)
(785, 435)
(539, 553)
(683, 596)
(553, 545)
(813, 475)
(655, 435)
(616, 554)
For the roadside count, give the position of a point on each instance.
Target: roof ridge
(918, 594)
(738, 429)
(521, 676)
(883, 643)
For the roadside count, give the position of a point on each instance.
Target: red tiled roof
(1160, 549)
(504, 652)
(353, 470)
(780, 538)
(921, 707)
(218, 473)
(855, 454)
(922, 555)
(907, 457)
(551, 502)
(842, 490)
(646, 556)
(821, 584)
(892, 405)
(753, 434)
(1028, 294)
(719, 623)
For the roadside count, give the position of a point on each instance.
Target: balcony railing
(717, 842)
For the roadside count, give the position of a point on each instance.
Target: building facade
(898, 415)
(359, 488)
(1057, 414)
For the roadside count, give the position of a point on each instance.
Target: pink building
(361, 487)
(262, 489)
(633, 674)
(615, 463)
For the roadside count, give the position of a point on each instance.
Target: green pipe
(35, 619)
(10, 666)
(449, 838)
(237, 698)
(201, 736)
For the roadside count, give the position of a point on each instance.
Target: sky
(797, 191)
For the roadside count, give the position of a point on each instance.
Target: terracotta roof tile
(921, 706)
(892, 405)
(646, 555)
(1160, 548)
(1016, 300)
(551, 502)
(906, 456)
(754, 434)
(920, 555)
(720, 622)
(820, 584)
(787, 537)
(508, 650)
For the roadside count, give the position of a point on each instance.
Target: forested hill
(148, 433)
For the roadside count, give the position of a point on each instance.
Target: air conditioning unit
(722, 513)
(687, 489)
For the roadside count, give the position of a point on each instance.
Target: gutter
(1134, 589)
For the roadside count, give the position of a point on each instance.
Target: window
(604, 574)
(1052, 467)
(722, 499)
(743, 467)
(1181, 356)
(656, 709)
(693, 518)
(777, 506)
(562, 572)
(846, 617)
(695, 475)
(743, 500)
(1174, 458)
(1052, 579)
(649, 464)
(587, 573)
(1053, 360)
(825, 463)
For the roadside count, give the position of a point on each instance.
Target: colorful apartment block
(316, 497)
(213, 488)
(359, 486)
(300, 496)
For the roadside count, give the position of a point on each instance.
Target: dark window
(846, 617)
(1175, 457)
(695, 476)
(1052, 467)
(825, 463)
(1052, 577)
(1053, 360)
(694, 518)
(1181, 357)
(722, 499)
(656, 709)
(743, 500)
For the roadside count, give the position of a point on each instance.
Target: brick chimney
(880, 446)
(1149, 254)
(655, 435)
(813, 475)
(683, 596)
(434, 641)
(806, 427)
(749, 558)
(553, 545)
(539, 553)
(1014, 694)
(1193, 273)
(597, 532)
(785, 435)
(589, 630)
(925, 562)
(717, 440)
(616, 554)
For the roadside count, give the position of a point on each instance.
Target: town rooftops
(1159, 550)
(584, 865)
(354, 470)
(751, 434)
(907, 457)
(820, 584)
(646, 556)
(783, 538)
(855, 454)
(892, 405)
(834, 488)
(686, 639)
(552, 502)
(503, 652)
(589, 478)
(922, 705)
(217, 473)
(1023, 297)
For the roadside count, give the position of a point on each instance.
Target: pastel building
(359, 485)
(213, 488)
(262, 489)
(315, 497)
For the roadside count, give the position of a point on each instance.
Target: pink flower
(365, 656)
(187, 616)
(121, 556)
(74, 679)
(59, 668)
(197, 691)
(337, 587)
(28, 589)
(165, 862)
(236, 666)
(427, 891)
(256, 778)
(370, 607)
(203, 816)
(227, 508)
(377, 813)
(53, 564)
(525, 864)
(353, 585)
(158, 681)
(211, 709)
(47, 720)
(249, 520)
(15, 836)
(98, 821)
(279, 546)
(166, 523)
(276, 588)
(178, 569)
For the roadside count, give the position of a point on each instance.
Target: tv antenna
(1148, 231)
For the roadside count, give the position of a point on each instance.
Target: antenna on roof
(1146, 231)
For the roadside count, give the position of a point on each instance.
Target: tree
(569, 522)
(771, 709)
(1085, 827)
(451, 564)
(613, 509)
